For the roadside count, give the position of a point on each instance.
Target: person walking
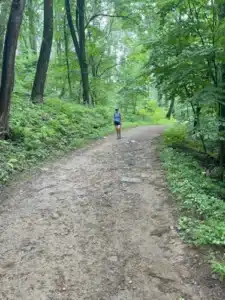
(117, 122)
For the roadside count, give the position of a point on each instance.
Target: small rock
(64, 289)
(130, 180)
(44, 169)
(130, 282)
(8, 265)
(214, 276)
(163, 270)
(113, 258)
(144, 176)
(55, 216)
(160, 231)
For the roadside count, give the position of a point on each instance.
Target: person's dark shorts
(116, 123)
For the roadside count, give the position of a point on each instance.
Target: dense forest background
(65, 64)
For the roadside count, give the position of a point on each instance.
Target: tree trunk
(44, 57)
(222, 134)
(171, 108)
(24, 44)
(222, 107)
(32, 33)
(159, 97)
(3, 22)
(196, 112)
(221, 114)
(197, 117)
(79, 44)
(62, 91)
(67, 57)
(83, 58)
(11, 38)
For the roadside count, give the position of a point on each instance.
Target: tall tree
(3, 21)
(10, 46)
(79, 41)
(171, 108)
(32, 33)
(45, 53)
(222, 104)
(67, 55)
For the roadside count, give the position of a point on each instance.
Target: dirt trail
(97, 225)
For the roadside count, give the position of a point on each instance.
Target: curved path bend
(98, 225)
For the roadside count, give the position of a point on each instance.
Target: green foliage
(218, 267)
(200, 199)
(204, 212)
(155, 114)
(176, 135)
(186, 52)
(38, 131)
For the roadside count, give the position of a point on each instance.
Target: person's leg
(115, 123)
(119, 131)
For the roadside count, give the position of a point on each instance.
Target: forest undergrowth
(199, 198)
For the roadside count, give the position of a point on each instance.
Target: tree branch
(107, 69)
(103, 15)
(99, 62)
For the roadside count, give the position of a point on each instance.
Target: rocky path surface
(97, 225)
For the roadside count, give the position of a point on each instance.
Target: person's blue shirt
(117, 117)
